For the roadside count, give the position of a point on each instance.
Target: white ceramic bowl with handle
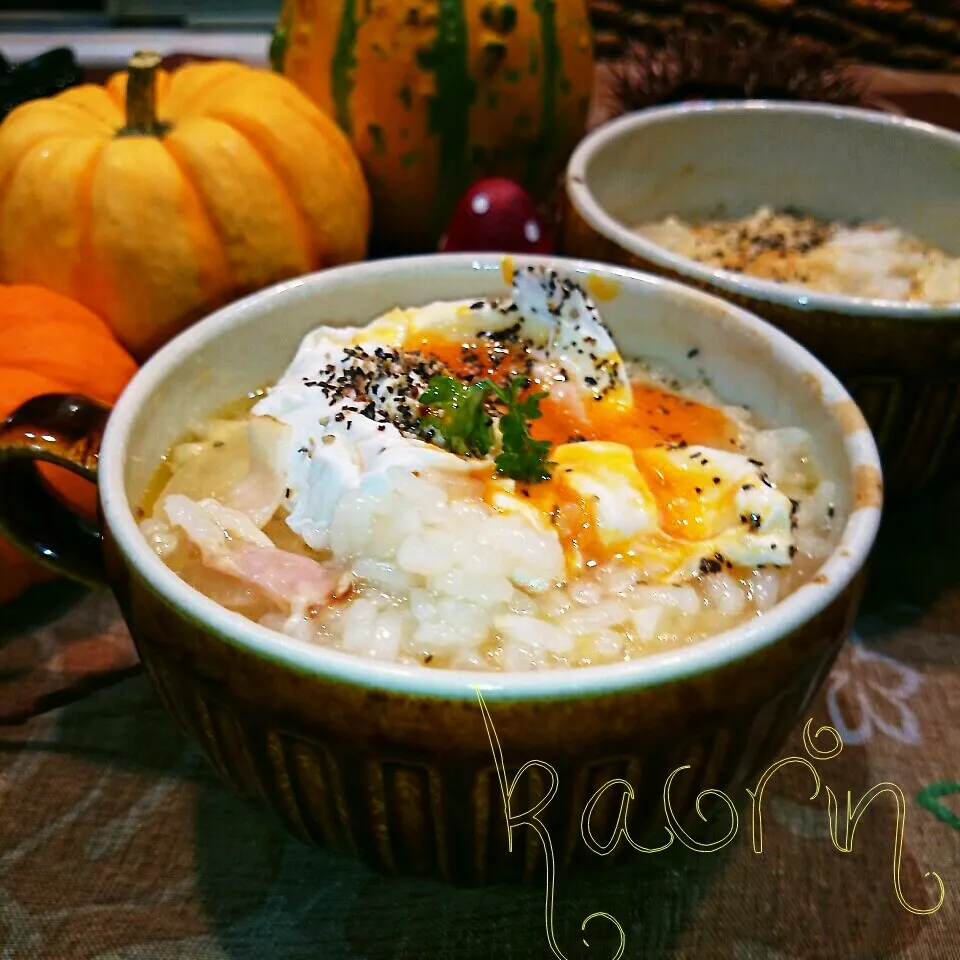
(393, 763)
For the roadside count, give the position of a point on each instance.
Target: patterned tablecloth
(117, 841)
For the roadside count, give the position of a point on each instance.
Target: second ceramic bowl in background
(900, 362)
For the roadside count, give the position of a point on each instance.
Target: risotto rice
(870, 260)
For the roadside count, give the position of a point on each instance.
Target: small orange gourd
(50, 344)
(161, 196)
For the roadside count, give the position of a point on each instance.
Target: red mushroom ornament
(496, 215)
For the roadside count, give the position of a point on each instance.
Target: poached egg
(639, 474)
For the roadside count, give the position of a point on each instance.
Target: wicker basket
(909, 34)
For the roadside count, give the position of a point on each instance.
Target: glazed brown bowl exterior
(900, 362)
(400, 765)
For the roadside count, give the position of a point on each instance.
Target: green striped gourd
(436, 94)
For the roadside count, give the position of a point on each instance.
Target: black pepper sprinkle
(693, 353)
(716, 480)
(792, 551)
(698, 490)
(831, 511)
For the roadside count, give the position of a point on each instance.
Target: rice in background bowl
(874, 261)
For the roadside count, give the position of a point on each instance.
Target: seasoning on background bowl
(390, 759)
(842, 167)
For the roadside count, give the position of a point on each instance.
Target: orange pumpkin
(161, 196)
(50, 344)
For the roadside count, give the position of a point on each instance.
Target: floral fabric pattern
(872, 693)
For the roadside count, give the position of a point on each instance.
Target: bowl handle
(65, 430)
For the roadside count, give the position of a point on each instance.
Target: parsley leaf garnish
(522, 457)
(457, 413)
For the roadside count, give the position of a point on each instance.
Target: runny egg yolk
(472, 360)
(613, 479)
(694, 493)
(655, 417)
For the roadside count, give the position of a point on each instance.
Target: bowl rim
(835, 574)
(796, 297)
